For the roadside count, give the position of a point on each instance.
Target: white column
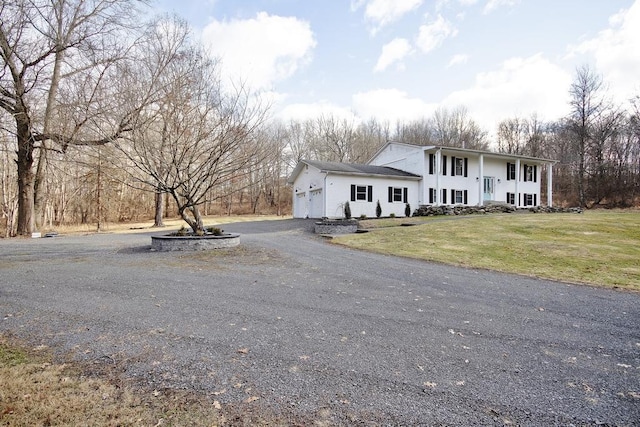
(438, 171)
(481, 180)
(517, 193)
(550, 184)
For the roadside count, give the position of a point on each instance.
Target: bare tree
(454, 128)
(196, 135)
(45, 45)
(586, 105)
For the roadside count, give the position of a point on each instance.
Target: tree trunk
(25, 175)
(159, 208)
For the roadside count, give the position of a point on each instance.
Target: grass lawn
(598, 247)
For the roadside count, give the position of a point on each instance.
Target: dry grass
(597, 247)
(35, 392)
(145, 226)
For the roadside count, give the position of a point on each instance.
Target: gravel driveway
(315, 331)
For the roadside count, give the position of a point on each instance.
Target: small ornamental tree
(407, 210)
(378, 209)
(347, 210)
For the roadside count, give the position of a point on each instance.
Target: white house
(418, 175)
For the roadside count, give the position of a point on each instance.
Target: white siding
(339, 192)
(401, 157)
(473, 183)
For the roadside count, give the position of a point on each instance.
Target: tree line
(107, 117)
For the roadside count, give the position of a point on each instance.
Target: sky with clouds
(403, 59)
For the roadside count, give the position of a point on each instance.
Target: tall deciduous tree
(51, 47)
(587, 105)
(196, 135)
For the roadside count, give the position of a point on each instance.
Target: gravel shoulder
(313, 331)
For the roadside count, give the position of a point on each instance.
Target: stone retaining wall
(194, 243)
(491, 208)
(336, 227)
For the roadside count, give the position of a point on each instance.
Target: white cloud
(390, 105)
(617, 52)
(433, 34)
(262, 50)
(522, 86)
(494, 4)
(385, 12)
(459, 59)
(392, 52)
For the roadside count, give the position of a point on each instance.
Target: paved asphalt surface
(323, 333)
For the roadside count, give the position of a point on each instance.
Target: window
(444, 165)
(459, 166)
(530, 173)
(432, 195)
(511, 198)
(432, 163)
(361, 193)
(459, 197)
(530, 199)
(398, 194)
(511, 171)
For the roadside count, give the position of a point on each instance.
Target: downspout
(324, 196)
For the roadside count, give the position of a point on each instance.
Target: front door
(489, 189)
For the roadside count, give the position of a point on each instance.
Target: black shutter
(370, 193)
(466, 166)
(525, 172)
(431, 195)
(535, 173)
(453, 166)
(444, 165)
(519, 198)
(508, 172)
(432, 160)
(353, 193)
(390, 194)
(465, 197)
(405, 193)
(444, 196)
(453, 197)
(535, 200)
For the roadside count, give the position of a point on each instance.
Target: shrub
(347, 210)
(182, 232)
(363, 216)
(407, 210)
(392, 215)
(378, 209)
(215, 231)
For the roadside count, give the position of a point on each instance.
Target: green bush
(407, 210)
(378, 209)
(347, 210)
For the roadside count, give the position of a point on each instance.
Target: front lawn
(597, 247)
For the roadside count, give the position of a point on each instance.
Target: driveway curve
(318, 332)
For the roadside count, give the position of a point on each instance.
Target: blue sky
(403, 59)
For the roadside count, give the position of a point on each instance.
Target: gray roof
(359, 169)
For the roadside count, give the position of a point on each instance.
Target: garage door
(315, 204)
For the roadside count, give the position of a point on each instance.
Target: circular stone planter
(336, 226)
(194, 243)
